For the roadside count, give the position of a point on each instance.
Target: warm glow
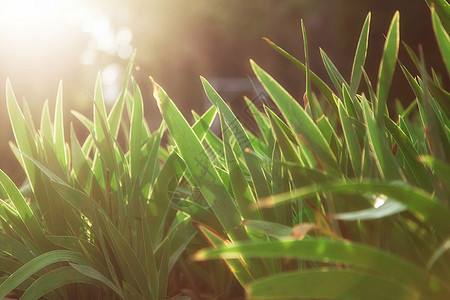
(46, 23)
(36, 34)
(25, 19)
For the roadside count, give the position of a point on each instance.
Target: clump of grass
(356, 200)
(98, 223)
(333, 199)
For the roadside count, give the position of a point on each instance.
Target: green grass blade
(372, 95)
(335, 76)
(53, 280)
(99, 107)
(298, 119)
(46, 127)
(441, 167)
(360, 56)
(308, 73)
(84, 120)
(23, 134)
(351, 141)
(88, 248)
(419, 202)
(254, 166)
(411, 156)
(442, 37)
(37, 264)
(115, 114)
(388, 208)
(137, 116)
(202, 125)
(241, 189)
(319, 83)
(412, 82)
(159, 198)
(284, 142)
(260, 119)
(387, 67)
(16, 248)
(274, 230)
(332, 251)
(442, 98)
(78, 199)
(60, 144)
(236, 265)
(352, 106)
(26, 214)
(329, 284)
(88, 271)
(387, 165)
(443, 10)
(127, 257)
(330, 134)
(163, 273)
(80, 164)
(147, 257)
(200, 166)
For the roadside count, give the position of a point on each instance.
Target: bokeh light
(42, 33)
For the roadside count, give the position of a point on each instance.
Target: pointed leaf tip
(156, 90)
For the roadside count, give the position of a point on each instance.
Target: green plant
(97, 220)
(332, 199)
(363, 196)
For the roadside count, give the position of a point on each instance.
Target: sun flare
(25, 19)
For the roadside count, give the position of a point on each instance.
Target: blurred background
(43, 42)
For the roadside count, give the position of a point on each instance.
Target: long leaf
(54, 280)
(200, 166)
(422, 204)
(360, 56)
(329, 284)
(298, 119)
(387, 66)
(319, 83)
(353, 254)
(442, 37)
(26, 214)
(37, 264)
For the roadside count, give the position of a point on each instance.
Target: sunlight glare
(379, 201)
(24, 19)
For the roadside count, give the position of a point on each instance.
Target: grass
(333, 199)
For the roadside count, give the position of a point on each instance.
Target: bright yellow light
(34, 19)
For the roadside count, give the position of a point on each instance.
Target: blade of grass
(335, 76)
(387, 165)
(59, 128)
(442, 38)
(329, 284)
(29, 219)
(422, 204)
(307, 72)
(387, 67)
(254, 166)
(325, 90)
(407, 148)
(236, 266)
(241, 189)
(37, 264)
(200, 166)
(332, 251)
(351, 141)
(298, 119)
(360, 57)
